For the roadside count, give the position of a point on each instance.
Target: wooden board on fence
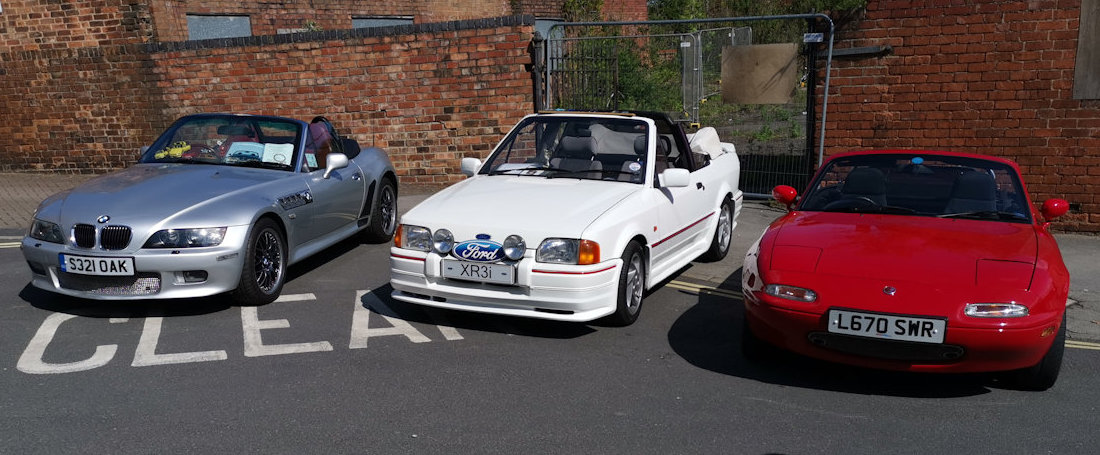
(759, 73)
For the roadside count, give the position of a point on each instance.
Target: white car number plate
(473, 271)
(87, 265)
(887, 326)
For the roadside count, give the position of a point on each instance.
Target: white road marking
(367, 302)
(253, 342)
(296, 297)
(31, 360)
(146, 353)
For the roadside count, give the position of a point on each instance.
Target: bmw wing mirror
(333, 162)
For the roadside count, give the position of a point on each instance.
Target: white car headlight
(790, 292)
(996, 310)
(415, 238)
(568, 251)
(46, 231)
(514, 247)
(186, 238)
(443, 241)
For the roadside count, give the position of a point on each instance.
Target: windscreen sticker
(278, 153)
(244, 151)
(311, 160)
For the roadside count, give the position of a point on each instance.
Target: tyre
(1043, 375)
(631, 287)
(264, 269)
(383, 218)
(723, 235)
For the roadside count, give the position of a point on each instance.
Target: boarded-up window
(380, 21)
(1086, 77)
(207, 27)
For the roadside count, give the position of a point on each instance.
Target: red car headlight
(791, 292)
(996, 310)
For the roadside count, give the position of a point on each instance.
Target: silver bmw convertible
(219, 203)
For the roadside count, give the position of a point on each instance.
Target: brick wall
(73, 98)
(984, 76)
(267, 18)
(428, 96)
(428, 93)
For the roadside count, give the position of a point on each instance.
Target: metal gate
(678, 67)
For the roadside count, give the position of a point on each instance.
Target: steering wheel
(852, 201)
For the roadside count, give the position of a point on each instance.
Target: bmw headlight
(514, 247)
(443, 241)
(46, 231)
(186, 238)
(415, 238)
(568, 251)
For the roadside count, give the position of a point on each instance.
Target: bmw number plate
(87, 265)
(473, 271)
(887, 326)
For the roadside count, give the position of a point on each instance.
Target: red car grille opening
(110, 237)
(907, 351)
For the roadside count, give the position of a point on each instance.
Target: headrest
(865, 180)
(975, 185)
(578, 147)
(640, 144)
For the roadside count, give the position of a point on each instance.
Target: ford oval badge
(478, 250)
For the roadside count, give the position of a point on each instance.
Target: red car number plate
(887, 326)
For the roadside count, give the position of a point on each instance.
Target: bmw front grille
(109, 237)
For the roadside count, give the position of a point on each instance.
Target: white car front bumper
(576, 293)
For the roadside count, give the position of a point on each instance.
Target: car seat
(972, 192)
(865, 182)
(576, 153)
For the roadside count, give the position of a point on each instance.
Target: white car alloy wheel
(631, 286)
(723, 233)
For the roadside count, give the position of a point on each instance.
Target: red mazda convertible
(912, 261)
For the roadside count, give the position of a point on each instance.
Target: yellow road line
(700, 289)
(9, 244)
(1082, 345)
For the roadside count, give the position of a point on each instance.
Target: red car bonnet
(911, 248)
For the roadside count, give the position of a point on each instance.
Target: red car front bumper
(978, 349)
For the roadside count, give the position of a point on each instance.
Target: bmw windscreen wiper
(262, 164)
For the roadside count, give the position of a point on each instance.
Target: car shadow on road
(708, 335)
(512, 325)
(76, 306)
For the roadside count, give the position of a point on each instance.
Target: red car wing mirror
(1054, 208)
(786, 195)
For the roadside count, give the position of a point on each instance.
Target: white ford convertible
(572, 217)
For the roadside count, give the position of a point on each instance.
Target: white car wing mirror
(470, 166)
(675, 178)
(333, 162)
